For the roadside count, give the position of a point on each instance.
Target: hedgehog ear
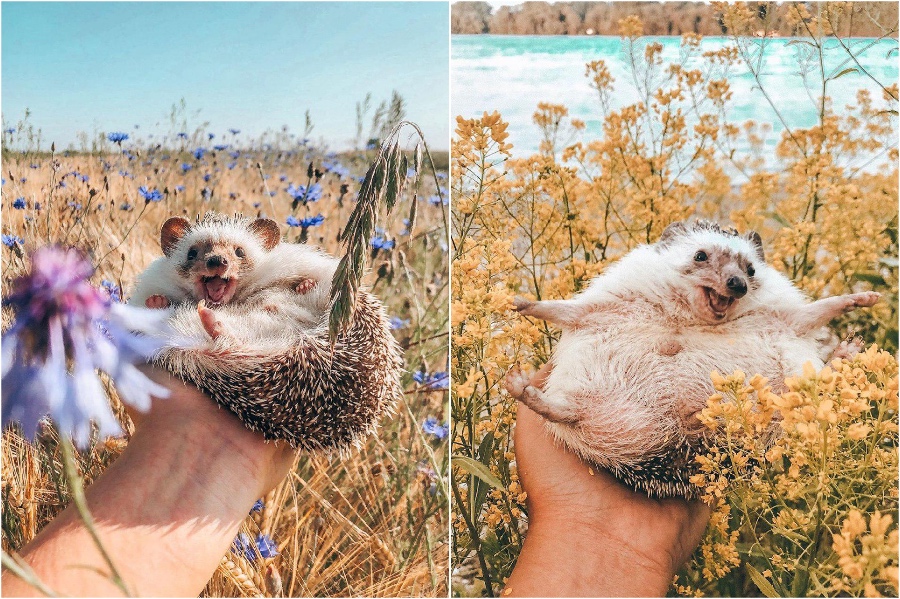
(756, 241)
(267, 231)
(172, 231)
(671, 232)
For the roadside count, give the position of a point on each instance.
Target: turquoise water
(511, 74)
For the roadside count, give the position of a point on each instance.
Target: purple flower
(431, 427)
(19, 203)
(117, 137)
(185, 167)
(64, 330)
(150, 195)
(199, 152)
(114, 291)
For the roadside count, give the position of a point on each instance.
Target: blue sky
(247, 65)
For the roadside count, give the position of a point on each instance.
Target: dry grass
(374, 524)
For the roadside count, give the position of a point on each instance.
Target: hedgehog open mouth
(217, 290)
(718, 303)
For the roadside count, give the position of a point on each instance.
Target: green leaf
(476, 468)
(761, 583)
(845, 72)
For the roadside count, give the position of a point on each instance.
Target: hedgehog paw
(305, 285)
(157, 302)
(210, 322)
(522, 305)
(866, 299)
(515, 382)
(848, 349)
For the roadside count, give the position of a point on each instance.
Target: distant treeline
(859, 19)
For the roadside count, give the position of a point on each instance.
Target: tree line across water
(857, 19)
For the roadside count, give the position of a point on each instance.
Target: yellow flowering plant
(541, 226)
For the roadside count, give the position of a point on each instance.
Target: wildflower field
(815, 514)
(374, 524)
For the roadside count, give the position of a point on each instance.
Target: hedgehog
(632, 368)
(248, 320)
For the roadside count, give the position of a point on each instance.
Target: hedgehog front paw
(522, 305)
(209, 321)
(516, 382)
(305, 285)
(157, 302)
(866, 299)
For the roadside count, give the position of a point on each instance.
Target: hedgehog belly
(635, 393)
(312, 396)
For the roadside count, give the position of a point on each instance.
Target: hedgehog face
(718, 266)
(215, 253)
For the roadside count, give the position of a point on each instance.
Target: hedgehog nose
(737, 286)
(216, 261)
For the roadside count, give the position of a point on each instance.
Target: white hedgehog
(632, 367)
(249, 316)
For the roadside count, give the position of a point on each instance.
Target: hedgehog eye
(750, 270)
(192, 253)
(700, 256)
(239, 252)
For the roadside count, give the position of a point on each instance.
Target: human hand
(590, 535)
(172, 503)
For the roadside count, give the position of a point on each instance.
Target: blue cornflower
(257, 204)
(179, 188)
(264, 546)
(231, 165)
(398, 323)
(183, 135)
(125, 206)
(64, 331)
(431, 427)
(84, 178)
(235, 154)
(206, 193)
(442, 176)
(282, 178)
(37, 206)
(220, 148)
(258, 506)
(114, 291)
(380, 243)
(199, 153)
(312, 221)
(405, 230)
(12, 241)
(234, 131)
(410, 172)
(11, 130)
(185, 167)
(434, 381)
(272, 194)
(207, 177)
(150, 195)
(232, 196)
(211, 136)
(292, 221)
(19, 203)
(117, 137)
